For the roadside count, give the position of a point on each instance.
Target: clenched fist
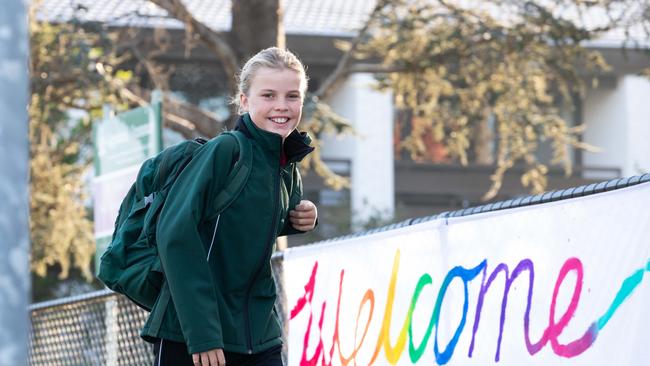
(303, 216)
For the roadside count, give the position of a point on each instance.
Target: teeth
(280, 120)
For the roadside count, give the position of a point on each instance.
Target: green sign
(122, 143)
(127, 139)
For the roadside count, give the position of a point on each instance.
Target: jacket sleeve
(181, 250)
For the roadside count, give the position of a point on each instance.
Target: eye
(294, 96)
(267, 95)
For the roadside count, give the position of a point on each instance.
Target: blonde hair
(273, 58)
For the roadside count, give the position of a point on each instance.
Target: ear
(243, 102)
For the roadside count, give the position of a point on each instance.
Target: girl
(221, 294)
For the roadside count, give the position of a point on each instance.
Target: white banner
(562, 283)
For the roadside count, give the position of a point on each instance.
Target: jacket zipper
(269, 245)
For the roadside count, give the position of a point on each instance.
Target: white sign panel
(562, 283)
(122, 143)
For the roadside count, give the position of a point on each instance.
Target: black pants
(170, 353)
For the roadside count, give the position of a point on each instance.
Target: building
(616, 113)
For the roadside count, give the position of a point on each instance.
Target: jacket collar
(296, 146)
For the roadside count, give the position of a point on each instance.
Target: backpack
(131, 265)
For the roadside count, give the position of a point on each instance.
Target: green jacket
(219, 290)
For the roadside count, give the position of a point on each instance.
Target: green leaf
(124, 75)
(95, 53)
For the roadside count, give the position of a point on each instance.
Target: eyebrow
(275, 91)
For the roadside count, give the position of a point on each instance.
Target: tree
(459, 70)
(62, 78)
(76, 68)
(232, 50)
(471, 77)
(466, 78)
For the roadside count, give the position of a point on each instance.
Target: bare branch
(188, 119)
(180, 125)
(205, 123)
(158, 74)
(337, 76)
(185, 118)
(211, 39)
(375, 68)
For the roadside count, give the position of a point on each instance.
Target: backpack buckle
(149, 199)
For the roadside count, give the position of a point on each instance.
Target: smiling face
(274, 100)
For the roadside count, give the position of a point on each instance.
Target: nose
(281, 105)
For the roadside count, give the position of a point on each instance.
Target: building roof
(301, 17)
(308, 17)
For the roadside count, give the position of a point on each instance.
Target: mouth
(279, 120)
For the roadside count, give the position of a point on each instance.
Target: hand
(304, 216)
(213, 357)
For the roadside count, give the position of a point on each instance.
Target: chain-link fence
(97, 329)
(102, 328)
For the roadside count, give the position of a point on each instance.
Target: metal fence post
(112, 329)
(14, 163)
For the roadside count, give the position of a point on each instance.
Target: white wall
(637, 103)
(618, 123)
(371, 150)
(604, 114)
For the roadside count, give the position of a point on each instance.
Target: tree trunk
(256, 24)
